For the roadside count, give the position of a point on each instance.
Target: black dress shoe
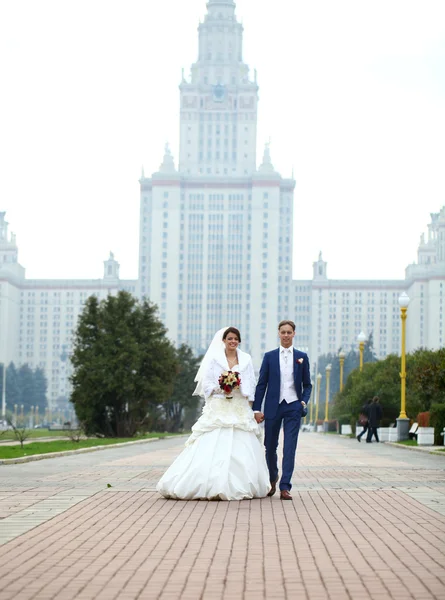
(273, 488)
(358, 439)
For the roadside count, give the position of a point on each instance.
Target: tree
(352, 362)
(26, 387)
(12, 386)
(40, 387)
(20, 429)
(377, 379)
(425, 384)
(426, 377)
(123, 364)
(369, 356)
(181, 401)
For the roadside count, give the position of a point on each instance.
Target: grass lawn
(408, 442)
(63, 445)
(34, 433)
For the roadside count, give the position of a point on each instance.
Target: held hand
(259, 417)
(303, 404)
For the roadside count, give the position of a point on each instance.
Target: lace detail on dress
(219, 412)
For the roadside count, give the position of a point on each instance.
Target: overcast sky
(352, 95)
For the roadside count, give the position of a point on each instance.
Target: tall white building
(38, 316)
(216, 245)
(331, 313)
(216, 233)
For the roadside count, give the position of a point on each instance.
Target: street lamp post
(311, 411)
(4, 392)
(403, 421)
(318, 397)
(361, 342)
(326, 410)
(341, 357)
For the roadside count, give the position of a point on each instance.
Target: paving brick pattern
(366, 522)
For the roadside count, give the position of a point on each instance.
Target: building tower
(216, 233)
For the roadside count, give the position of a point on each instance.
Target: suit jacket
(270, 379)
(374, 414)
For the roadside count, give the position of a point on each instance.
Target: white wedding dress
(224, 456)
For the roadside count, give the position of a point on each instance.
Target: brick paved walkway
(365, 522)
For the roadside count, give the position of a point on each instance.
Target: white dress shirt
(287, 384)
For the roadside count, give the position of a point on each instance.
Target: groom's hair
(283, 323)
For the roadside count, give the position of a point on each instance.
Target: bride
(224, 456)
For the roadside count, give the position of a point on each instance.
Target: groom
(285, 379)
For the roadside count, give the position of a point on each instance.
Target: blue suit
(276, 412)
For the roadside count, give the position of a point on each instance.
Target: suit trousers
(290, 416)
(372, 431)
(365, 429)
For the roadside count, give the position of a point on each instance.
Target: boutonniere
(300, 360)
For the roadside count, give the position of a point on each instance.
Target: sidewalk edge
(415, 448)
(34, 457)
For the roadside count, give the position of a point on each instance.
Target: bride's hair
(232, 330)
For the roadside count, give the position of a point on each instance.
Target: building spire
(111, 268)
(3, 227)
(221, 2)
(168, 164)
(266, 166)
(220, 9)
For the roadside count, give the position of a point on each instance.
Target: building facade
(216, 245)
(216, 233)
(331, 313)
(38, 316)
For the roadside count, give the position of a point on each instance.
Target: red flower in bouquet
(229, 381)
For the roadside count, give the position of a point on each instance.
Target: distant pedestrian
(374, 415)
(364, 419)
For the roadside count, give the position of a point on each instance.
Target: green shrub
(437, 420)
(332, 425)
(353, 423)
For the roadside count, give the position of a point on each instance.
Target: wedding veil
(213, 351)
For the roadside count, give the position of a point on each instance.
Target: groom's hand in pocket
(259, 417)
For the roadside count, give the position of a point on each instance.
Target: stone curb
(415, 448)
(33, 457)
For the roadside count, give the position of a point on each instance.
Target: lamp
(341, 356)
(361, 338)
(326, 410)
(403, 303)
(319, 376)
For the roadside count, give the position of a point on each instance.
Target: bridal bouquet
(229, 381)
